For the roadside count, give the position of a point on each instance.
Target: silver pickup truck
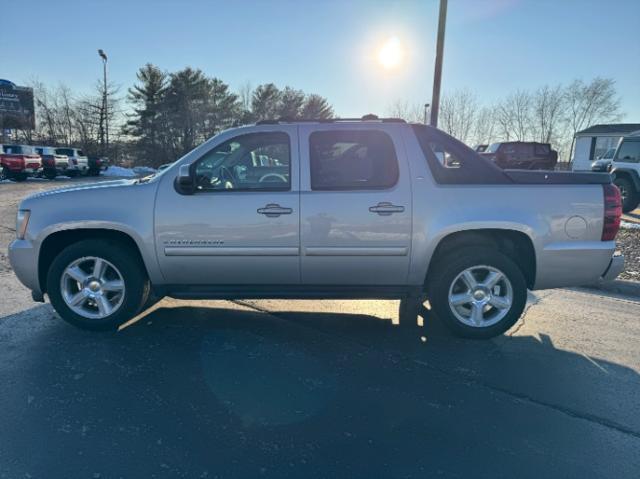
(373, 208)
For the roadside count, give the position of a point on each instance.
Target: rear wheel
(477, 293)
(97, 284)
(19, 177)
(50, 174)
(628, 193)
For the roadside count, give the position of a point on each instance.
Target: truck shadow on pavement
(205, 392)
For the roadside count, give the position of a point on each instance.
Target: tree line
(163, 115)
(549, 114)
(166, 114)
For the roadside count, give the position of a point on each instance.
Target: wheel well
(633, 177)
(515, 244)
(56, 242)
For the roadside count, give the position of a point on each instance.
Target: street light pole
(437, 74)
(105, 106)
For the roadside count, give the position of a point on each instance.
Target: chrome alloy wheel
(480, 296)
(92, 287)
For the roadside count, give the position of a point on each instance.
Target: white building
(593, 142)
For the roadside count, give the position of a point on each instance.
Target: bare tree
(588, 104)
(458, 112)
(547, 108)
(410, 112)
(485, 126)
(513, 116)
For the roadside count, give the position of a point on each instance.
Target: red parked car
(522, 155)
(18, 162)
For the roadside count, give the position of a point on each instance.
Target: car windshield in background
(65, 151)
(492, 148)
(608, 154)
(19, 150)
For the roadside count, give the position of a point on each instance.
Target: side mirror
(185, 182)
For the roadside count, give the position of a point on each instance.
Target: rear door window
(352, 160)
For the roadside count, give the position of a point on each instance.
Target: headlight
(22, 220)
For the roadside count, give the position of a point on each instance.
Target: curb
(617, 286)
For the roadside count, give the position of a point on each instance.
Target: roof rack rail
(368, 117)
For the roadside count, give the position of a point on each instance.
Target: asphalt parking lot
(315, 389)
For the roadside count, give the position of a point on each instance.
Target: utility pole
(105, 106)
(437, 74)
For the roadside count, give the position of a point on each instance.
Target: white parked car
(78, 161)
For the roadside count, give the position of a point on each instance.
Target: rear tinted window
(452, 162)
(542, 149)
(352, 160)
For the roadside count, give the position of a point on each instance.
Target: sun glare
(391, 54)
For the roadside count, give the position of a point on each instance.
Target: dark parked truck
(96, 164)
(18, 162)
(522, 155)
(331, 209)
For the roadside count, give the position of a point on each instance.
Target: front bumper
(23, 257)
(615, 268)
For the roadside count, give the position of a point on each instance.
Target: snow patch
(629, 226)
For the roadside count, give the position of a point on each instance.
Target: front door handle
(273, 210)
(385, 208)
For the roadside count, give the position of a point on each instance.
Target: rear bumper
(615, 268)
(24, 262)
(576, 263)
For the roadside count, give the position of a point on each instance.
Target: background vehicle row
(19, 162)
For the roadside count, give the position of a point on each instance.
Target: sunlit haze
(333, 48)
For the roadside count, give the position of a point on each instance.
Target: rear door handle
(385, 208)
(273, 210)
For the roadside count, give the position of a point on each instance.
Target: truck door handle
(385, 208)
(273, 210)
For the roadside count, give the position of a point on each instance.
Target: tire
(630, 197)
(50, 174)
(510, 292)
(4, 174)
(72, 173)
(19, 177)
(119, 260)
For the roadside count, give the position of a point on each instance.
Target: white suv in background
(78, 162)
(626, 172)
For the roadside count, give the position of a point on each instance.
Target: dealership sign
(16, 106)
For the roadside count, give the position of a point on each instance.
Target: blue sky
(329, 47)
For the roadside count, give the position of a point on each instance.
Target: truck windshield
(493, 148)
(19, 150)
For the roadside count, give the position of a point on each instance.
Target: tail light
(612, 212)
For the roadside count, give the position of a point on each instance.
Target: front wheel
(478, 293)
(97, 284)
(628, 194)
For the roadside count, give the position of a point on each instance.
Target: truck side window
(629, 152)
(352, 160)
(256, 161)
